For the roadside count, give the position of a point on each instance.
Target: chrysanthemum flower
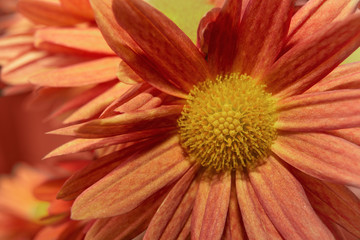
(257, 138)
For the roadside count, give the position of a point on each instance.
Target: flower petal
(176, 208)
(120, 41)
(321, 155)
(163, 43)
(128, 225)
(261, 41)
(333, 201)
(211, 217)
(349, 134)
(320, 111)
(91, 72)
(94, 171)
(163, 116)
(47, 13)
(312, 59)
(223, 41)
(343, 77)
(78, 7)
(256, 221)
(315, 15)
(121, 191)
(284, 200)
(83, 41)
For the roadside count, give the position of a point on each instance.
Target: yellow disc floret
(228, 123)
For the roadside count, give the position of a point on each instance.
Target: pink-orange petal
(349, 134)
(315, 15)
(47, 13)
(312, 59)
(223, 41)
(260, 41)
(90, 72)
(176, 208)
(93, 172)
(121, 43)
(163, 43)
(120, 192)
(163, 116)
(321, 155)
(128, 225)
(334, 201)
(83, 41)
(211, 217)
(78, 7)
(98, 104)
(257, 223)
(284, 200)
(343, 77)
(320, 111)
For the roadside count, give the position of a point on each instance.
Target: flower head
(255, 133)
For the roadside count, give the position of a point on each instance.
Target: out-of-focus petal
(78, 7)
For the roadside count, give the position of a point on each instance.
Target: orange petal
(120, 41)
(343, 77)
(260, 40)
(98, 104)
(93, 172)
(349, 134)
(174, 212)
(47, 12)
(321, 155)
(126, 75)
(78, 7)
(317, 14)
(320, 111)
(333, 201)
(223, 41)
(163, 43)
(121, 191)
(163, 116)
(128, 225)
(285, 202)
(204, 30)
(91, 72)
(234, 227)
(256, 221)
(212, 215)
(47, 190)
(312, 59)
(84, 144)
(85, 41)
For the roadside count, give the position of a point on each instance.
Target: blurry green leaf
(185, 13)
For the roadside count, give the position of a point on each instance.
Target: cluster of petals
(141, 179)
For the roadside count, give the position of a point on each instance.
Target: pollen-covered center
(228, 123)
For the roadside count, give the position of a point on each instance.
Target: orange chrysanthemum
(256, 136)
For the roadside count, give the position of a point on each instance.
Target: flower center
(228, 123)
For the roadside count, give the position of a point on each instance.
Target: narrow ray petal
(91, 72)
(256, 221)
(261, 41)
(311, 18)
(78, 7)
(334, 201)
(163, 116)
(320, 111)
(175, 209)
(93, 172)
(128, 225)
(343, 77)
(120, 192)
(47, 13)
(87, 41)
(349, 134)
(121, 43)
(215, 207)
(284, 200)
(321, 155)
(312, 59)
(223, 41)
(160, 38)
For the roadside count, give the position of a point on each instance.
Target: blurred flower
(254, 137)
